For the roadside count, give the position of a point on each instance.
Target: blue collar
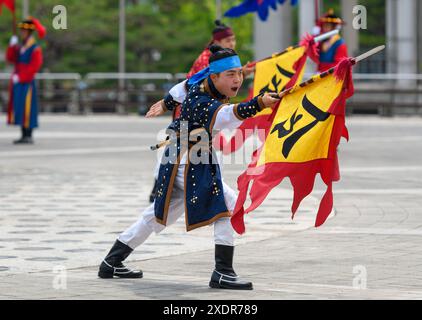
(214, 90)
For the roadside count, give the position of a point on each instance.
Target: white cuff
(13, 41)
(15, 78)
(316, 31)
(178, 92)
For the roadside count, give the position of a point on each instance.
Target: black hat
(218, 53)
(33, 24)
(330, 17)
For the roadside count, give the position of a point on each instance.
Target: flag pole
(25, 9)
(369, 53)
(14, 22)
(218, 9)
(121, 56)
(316, 5)
(316, 39)
(326, 35)
(329, 71)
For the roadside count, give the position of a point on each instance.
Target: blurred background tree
(161, 35)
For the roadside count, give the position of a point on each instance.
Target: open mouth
(234, 89)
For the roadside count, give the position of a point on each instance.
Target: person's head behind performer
(223, 36)
(28, 26)
(226, 82)
(330, 21)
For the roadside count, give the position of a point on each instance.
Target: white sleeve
(226, 118)
(13, 41)
(178, 92)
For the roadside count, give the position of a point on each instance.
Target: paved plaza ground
(64, 200)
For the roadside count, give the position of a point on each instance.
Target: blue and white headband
(217, 66)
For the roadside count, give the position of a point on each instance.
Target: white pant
(137, 233)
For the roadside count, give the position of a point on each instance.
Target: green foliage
(374, 35)
(161, 35)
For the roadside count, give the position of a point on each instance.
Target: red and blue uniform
(331, 52)
(23, 105)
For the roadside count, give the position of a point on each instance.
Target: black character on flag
(276, 83)
(289, 143)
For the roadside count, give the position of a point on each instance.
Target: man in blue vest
(190, 179)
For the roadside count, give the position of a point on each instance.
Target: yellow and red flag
(281, 71)
(302, 141)
(273, 74)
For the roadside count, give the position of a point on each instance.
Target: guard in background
(332, 50)
(27, 58)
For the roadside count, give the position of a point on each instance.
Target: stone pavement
(64, 200)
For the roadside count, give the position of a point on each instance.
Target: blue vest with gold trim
(328, 56)
(204, 196)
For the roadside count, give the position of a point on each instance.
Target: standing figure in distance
(27, 58)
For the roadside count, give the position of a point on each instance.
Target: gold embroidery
(28, 101)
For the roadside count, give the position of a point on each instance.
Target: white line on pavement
(386, 139)
(404, 292)
(59, 152)
(112, 118)
(378, 169)
(375, 191)
(350, 169)
(87, 135)
(379, 231)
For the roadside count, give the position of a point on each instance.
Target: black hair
(219, 26)
(218, 53)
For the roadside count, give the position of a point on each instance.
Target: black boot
(224, 276)
(153, 191)
(26, 137)
(112, 264)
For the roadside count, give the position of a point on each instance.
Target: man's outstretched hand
(157, 109)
